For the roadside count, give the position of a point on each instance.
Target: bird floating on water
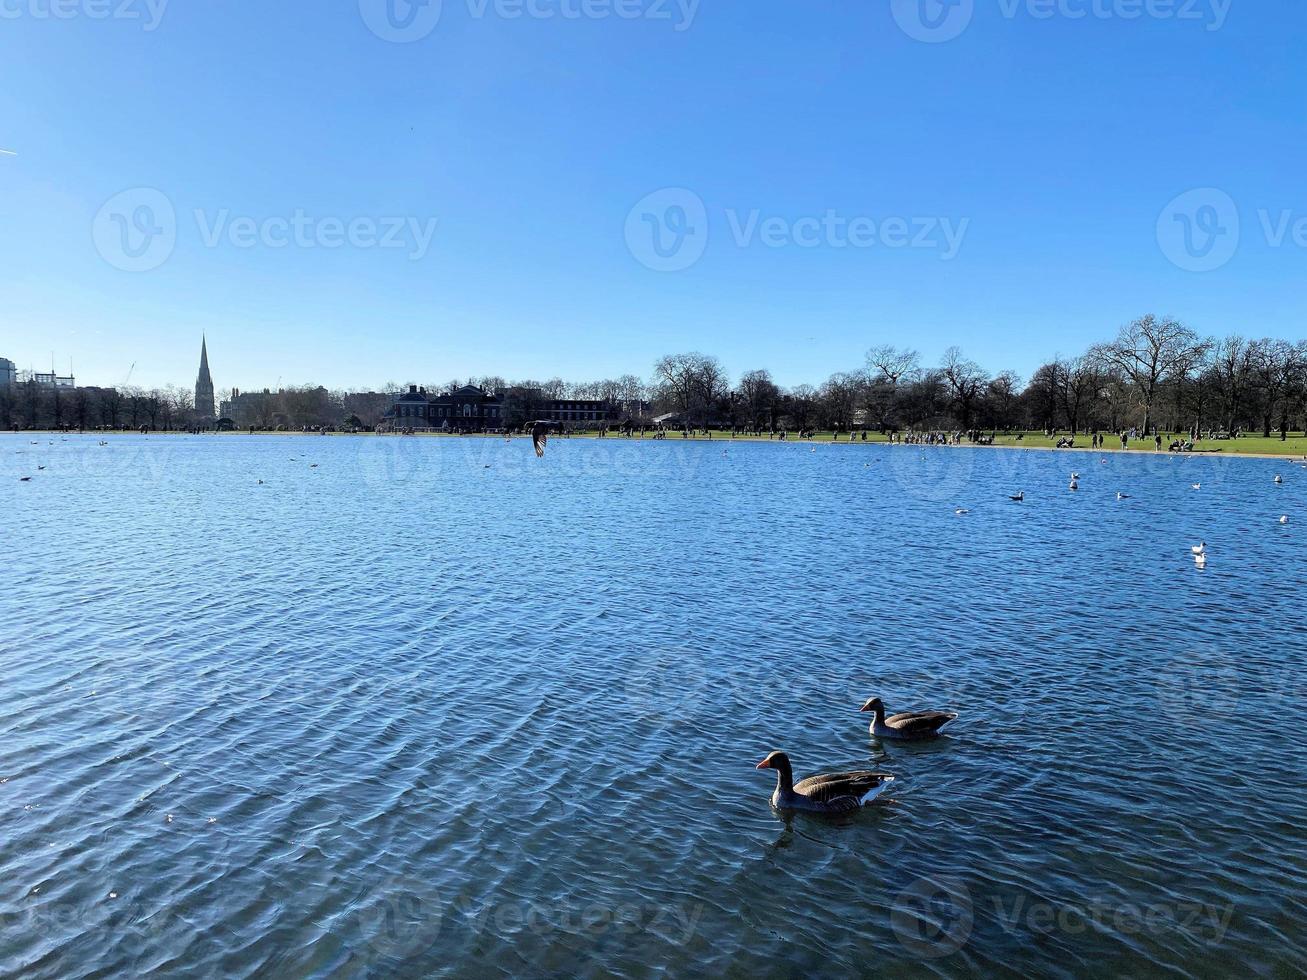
(833, 792)
(1284, 519)
(1196, 486)
(1018, 497)
(1123, 496)
(1200, 548)
(906, 725)
(961, 511)
(24, 479)
(1278, 478)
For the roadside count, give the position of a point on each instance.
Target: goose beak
(764, 764)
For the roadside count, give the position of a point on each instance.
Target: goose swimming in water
(832, 792)
(906, 725)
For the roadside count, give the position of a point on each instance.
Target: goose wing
(919, 721)
(539, 436)
(832, 786)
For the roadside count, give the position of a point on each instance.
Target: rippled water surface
(418, 705)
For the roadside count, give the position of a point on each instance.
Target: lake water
(435, 706)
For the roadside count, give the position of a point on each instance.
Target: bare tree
(893, 364)
(966, 381)
(1148, 352)
(758, 396)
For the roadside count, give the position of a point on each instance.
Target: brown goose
(906, 725)
(833, 792)
(540, 435)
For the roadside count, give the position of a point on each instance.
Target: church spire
(204, 404)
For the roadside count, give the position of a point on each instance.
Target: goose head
(775, 760)
(876, 705)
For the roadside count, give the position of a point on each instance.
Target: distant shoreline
(1258, 448)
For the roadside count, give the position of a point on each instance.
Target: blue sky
(1051, 144)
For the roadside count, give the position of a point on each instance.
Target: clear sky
(812, 144)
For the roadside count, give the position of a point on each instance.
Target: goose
(1200, 548)
(540, 435)
(1018, 497)
(832, 792)
(906, 725)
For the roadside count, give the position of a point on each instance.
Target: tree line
(1156, 373)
